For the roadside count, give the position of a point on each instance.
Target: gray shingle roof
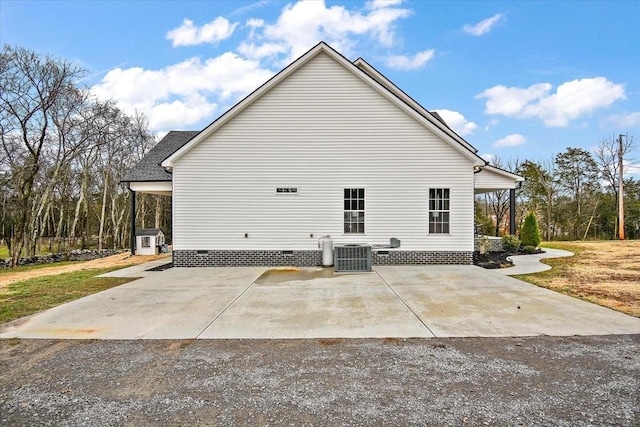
(148, 168)
(148, 231)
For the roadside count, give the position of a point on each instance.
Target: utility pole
(620, 193)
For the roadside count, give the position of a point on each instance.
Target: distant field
(604, 272)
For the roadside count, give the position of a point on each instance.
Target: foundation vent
(352, 258)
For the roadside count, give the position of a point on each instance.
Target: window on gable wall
(354, 210)
(439, 211)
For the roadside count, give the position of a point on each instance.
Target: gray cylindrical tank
(326, 244)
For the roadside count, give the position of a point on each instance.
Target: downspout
(132, 212)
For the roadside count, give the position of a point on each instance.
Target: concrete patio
(256, 302)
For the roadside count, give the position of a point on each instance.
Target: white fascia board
(390, 86)
(163, 188)
(491, 179)
(493, 169)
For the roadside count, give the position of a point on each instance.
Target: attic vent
(287, 190)
(352, 258)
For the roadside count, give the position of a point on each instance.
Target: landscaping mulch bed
(492, 260)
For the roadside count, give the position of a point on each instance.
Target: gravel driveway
(456, 381)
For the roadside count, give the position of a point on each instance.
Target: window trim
(357, 199)
(146, 239)
(430, 211)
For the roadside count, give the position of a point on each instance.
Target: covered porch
(490, 179)
(149, 177)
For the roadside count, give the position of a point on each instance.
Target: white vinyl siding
(324, 130)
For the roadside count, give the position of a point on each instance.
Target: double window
(354, 210)
(438, 210)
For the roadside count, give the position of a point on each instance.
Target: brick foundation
(218, 258)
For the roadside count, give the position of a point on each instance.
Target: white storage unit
(149, 241)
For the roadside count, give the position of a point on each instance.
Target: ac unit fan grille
(352, 258)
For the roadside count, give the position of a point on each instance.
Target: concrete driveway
(256, 302)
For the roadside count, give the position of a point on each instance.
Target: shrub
(483, 245)
(510, 243)
(530, 235)
(529, 249)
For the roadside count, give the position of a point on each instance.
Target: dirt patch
(123, 259)
(605, 273)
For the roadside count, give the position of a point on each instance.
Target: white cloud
(626, 120)
(570, 101)
(457, 122)
(403, 62)
(484, 26)
(265, 50)
(178, 113)
(378, 4)
(489, 157)
(188, 34)
(510, 140)
(492, 123)
(511, 101)
(250, 7)
(301, 25)
(631, 168)
(178, 94)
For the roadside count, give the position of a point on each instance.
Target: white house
(325, 147)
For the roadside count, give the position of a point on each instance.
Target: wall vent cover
(352, 258)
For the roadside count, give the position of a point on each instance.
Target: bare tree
(606, 156)
(498, 201)
(31, 87)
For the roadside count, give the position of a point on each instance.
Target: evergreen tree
(530, 235)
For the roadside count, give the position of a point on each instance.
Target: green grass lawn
(30, 296)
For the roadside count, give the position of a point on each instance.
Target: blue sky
(516, 79)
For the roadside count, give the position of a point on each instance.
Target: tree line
(574, 195)
(62, 157)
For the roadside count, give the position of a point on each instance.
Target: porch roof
(149, 168)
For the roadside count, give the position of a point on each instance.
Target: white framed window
(354, 210)
(146, 241)
(439, 220)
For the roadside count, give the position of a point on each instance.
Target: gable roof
(380, 85)
(149, 168)
(148, 232)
